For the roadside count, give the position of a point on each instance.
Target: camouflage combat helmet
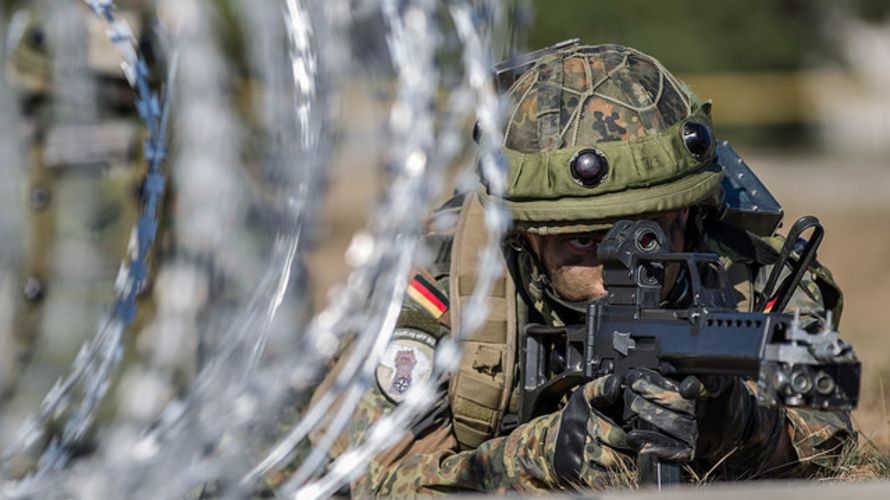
(597, 133)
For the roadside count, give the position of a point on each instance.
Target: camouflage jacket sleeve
(428, 462)
(819, 438)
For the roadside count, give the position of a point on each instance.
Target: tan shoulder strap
(480, 391)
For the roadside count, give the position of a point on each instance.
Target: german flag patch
(428, 296)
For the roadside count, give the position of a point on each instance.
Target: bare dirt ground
(851, 198)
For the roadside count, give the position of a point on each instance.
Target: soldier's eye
(582, 243)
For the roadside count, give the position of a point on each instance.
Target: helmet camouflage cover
(599, 133)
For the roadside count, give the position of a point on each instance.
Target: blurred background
(788, 75)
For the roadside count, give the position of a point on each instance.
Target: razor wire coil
(380, 255)
(133, 274)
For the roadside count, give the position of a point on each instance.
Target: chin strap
(566, 309)
(513, 248)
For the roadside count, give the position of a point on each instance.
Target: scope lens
(647, 241)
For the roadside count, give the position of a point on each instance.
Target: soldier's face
(571, 264)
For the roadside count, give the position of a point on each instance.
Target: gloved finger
(659, 445)
(586, 436)
(692, 388)
(572, 436)
(707, 386)
(660, 390)
(603, 391)
(607, 432)
(650, 376)
(580, 418)
(677, 424)
(715, 385)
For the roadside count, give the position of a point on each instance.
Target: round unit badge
(408, 361)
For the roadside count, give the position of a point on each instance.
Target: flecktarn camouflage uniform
(631, 109)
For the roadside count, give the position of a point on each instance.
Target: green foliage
(694, 35)
(876, 11)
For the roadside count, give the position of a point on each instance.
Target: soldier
(594, 134)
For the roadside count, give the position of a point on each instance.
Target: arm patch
(408, 361)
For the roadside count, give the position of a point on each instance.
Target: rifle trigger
(622, 342)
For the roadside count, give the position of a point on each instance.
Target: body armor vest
(479, 392)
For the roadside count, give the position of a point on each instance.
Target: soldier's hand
(587, 439)
(732, 424)
(734, 430)
(667, 426)
(696, 418)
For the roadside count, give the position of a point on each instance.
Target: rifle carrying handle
(775, 300)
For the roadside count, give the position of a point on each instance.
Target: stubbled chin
(574, 288)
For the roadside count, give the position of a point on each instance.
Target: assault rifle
(630, 328)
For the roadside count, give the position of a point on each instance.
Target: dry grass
(621, 478)
(863, 461)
